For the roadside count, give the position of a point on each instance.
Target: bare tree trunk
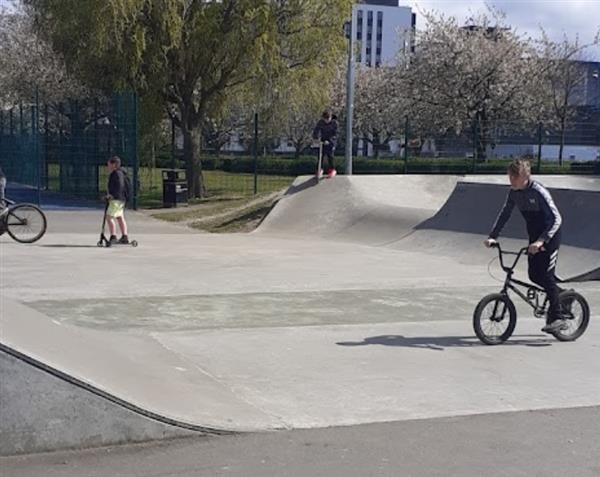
(191, 156)
(298, 148)
(563, 127)
(481, 137)
(153, 163)
(376, 144)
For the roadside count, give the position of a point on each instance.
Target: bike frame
(10, 204)
(511, 283)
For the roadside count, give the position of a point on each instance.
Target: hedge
(290, 166)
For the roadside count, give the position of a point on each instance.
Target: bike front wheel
(576, 311)
(26, 223)
(494, 319)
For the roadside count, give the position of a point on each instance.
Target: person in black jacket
(543, 222)
(326, 132)
(117, 199)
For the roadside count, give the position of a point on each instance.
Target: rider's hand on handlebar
(535, 247)
(490, 242)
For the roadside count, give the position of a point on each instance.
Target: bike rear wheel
(494, 319)
(26, 223)
(577, 312)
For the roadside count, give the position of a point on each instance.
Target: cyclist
(544, 229)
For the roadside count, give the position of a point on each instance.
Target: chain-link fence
(66, 153)
(62, 148)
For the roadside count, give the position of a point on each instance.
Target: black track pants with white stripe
(542, 269)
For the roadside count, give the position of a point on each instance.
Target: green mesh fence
(63, 147)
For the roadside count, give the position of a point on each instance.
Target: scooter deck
(104, 242)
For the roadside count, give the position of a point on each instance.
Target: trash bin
(175, 190)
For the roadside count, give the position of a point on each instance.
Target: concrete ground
(551, 443)
(285, 331)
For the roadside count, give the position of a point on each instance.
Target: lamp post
(349, 95)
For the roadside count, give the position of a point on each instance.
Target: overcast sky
(557, 17)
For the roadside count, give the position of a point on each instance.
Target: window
(359, 25)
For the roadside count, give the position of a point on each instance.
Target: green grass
(223, 215)
(217, 183)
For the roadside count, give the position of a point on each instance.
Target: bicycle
(495, 316)
(25, 223)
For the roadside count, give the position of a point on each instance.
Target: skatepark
(350, 304)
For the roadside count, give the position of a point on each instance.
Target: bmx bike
(25, 223)
(495, 316)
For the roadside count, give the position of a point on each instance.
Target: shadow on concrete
(309, 182)
(69, 246)
(439, 343)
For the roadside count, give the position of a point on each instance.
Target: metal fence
(62, 148)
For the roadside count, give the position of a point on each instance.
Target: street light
(349, 95)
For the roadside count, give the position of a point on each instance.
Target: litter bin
(175, 190)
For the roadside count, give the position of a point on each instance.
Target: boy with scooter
(326, 132)
(118, 194)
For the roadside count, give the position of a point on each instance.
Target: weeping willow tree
(192, 54)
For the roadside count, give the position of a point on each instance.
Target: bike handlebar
(501, 254)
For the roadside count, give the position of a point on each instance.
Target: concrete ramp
(460, 226)
(66, 387)
(43, 409)
(447, 216)
(371, 210)
(473, 207)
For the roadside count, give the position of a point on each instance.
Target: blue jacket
(537, 208)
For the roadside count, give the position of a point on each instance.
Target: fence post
(135, 152)
(255, 153)
(406, 145)
(22, 124)
(173, 146)
(539, 154)
(46, 140)
(95, 155)
(36, 146)
(474, 165)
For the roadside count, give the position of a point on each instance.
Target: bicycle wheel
(494, 319)
(26, 223)
(577, 312)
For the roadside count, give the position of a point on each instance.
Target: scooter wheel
(134, 243)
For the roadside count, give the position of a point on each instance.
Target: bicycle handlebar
(501, 254)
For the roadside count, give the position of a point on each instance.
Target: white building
(382, 29)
